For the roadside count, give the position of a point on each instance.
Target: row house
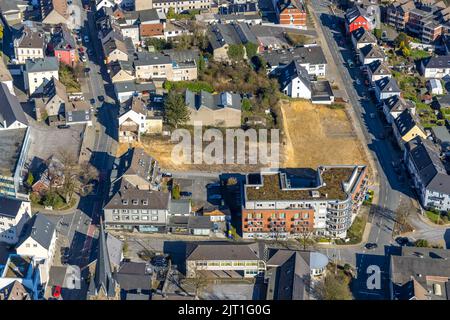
(385, 88)
(54, 12)
(371, 53)
(406, 127)
(180, 6)
(395, 105)
(152, 65)
(361, 38)
(63, 46)
(289, 202)
(430, 178)
(355, 18)
(377, 70)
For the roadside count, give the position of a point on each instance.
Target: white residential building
(37, 73)
(14, 213)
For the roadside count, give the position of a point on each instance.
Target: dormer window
(125, 201)
(135, 202)
(144, 202)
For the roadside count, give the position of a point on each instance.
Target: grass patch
(428, 117)
(437, 217)
(417, 54)
(68, 78)
(356, 230)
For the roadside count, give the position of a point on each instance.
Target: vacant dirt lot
(318, 135)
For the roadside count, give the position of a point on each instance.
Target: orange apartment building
(285, 203)
(291, 12)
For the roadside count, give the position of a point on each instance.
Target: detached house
(290, 12)
(222, 109)
(407, 127)
(38, 72)
(12, 115)
(14, 213)
(361, 38)
(431, 180)
(355, 18)
(38, 240)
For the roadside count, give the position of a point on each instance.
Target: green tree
(246, 105)
(377, 33)
(251, 49)
(158, 44)
(334, 287)
(201, 63)
(1, 32)
(176, 112)
(176, 192)
(423, 243)
(30, 179)
(236, 52)
(402, 37)
(53, 199)
(170, 13)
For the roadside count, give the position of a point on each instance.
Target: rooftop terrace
(17, 266)
(332, 187)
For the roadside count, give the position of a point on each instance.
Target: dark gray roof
(40, 229)
(442, 134)
(397, 104)
(221, 251)
(286, 74)
(183, 55)
(372, 51)
(10, 109)
(200, 222)
(181, 206)
(148, 15)
(232, 33)
(31, 38)
(115, 248)
(444, 101)
(363, 36)
(133, 276)
(321, 89)
(311, 54)
(42, 65)
(103, 278)
(428, 165)
(405, 122)
(146, 199)
(387, 84)
(212, 101)
(354, 12)
(378, 67)
(146, 58)
(9, 207)
(11, 143)
(437, 62)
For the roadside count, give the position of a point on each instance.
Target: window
(115, 218)
(249, 216)
(135, 217)
(144, 218)
(154, 218)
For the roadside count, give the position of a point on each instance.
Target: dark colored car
(101, 98)
(371, 245)
(87, 70)
(92, 101)
(63, 126)
(186, 194)
(403, 241)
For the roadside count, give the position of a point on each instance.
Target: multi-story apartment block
(286, 203)
(39, 72)
(153, 66)
(424, 20)
(181, 5)
(430, 178)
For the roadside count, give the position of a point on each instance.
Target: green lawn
(426, 114)
(436, 217)
(356, 230)
(417, 54)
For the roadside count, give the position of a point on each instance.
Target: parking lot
(195, 188)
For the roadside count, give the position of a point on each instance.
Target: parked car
(92, 101)
(371, 245)
(63, 126)
(372, 115)
(403, 241)
(358, 82)
(57, 291)
(101, 98)
(86, 39)
(185, 194)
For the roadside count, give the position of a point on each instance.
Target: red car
(57, 291)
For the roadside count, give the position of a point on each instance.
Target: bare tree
(305, 237)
